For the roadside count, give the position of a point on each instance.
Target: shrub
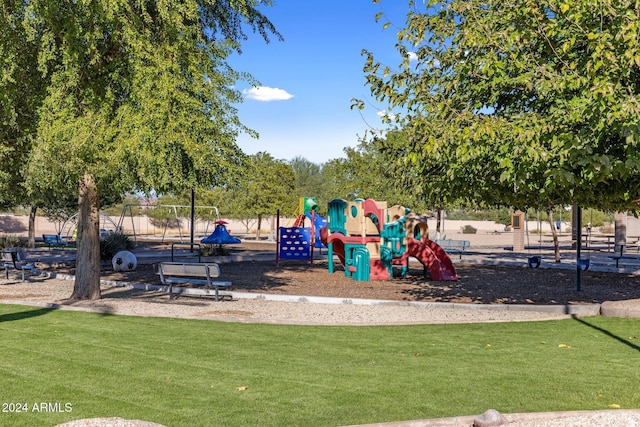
(468, 229)
(605, 229)
(12, 242)
(112, 243)
(215, 250)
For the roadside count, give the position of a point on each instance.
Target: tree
(21, 93)
(520, 104)
(267, 185)
(370, 171)
(137, 96)
(308, 177)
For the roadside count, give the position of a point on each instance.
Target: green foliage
(504, 365)
(112, 243)
(265, 186)
(371, 170)
(21, 93)
(596, 218)
(115, 209)
(308, 176)
(500, 216)
(126, 96)
(215, 250)
(519, 104)
(12, 242)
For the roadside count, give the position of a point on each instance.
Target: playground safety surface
(478, 283)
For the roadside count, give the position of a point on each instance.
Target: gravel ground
(125, 300)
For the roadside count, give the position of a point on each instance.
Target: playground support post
(277, 239)
(193, 217)
(312, 234)
(578, 244)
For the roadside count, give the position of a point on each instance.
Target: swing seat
(583, 264)
(534, 261)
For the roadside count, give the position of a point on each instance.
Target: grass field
(203, 373)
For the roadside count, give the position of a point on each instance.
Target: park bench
(453, 246)
(11, 259)
(191, 273)
(54, 240)
(617, 258)
(621, 254)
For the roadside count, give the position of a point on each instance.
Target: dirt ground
(476, 284)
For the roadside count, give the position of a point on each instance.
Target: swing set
(583, 264)
(171, 217)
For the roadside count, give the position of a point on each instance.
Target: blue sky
(307, 81)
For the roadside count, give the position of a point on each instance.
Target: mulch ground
(476, 284)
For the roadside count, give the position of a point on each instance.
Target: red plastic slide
(338, 243)
(434, 258)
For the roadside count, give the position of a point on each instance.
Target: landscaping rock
(490, 418)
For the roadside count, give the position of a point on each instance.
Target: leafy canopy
(139, 94)
(522, 103)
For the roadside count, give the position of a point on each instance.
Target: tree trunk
(439, 225)
(258, 228)
(32, 226)
(554, 232)
(87, 283)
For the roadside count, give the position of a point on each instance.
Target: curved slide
(318, 224)
(434, 258)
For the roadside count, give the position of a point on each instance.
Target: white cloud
(412, 56)
(384, 115)
(266, 94)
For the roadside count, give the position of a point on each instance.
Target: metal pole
(312, 240)
(578, 244)
(193, 216)
(278, 239)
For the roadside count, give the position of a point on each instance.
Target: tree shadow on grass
(22, 315)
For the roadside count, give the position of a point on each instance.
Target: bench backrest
(9, 257)
(190, 269)
(453, 243)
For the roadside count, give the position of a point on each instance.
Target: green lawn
(203, 373)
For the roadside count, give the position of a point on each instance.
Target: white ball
(124, 261)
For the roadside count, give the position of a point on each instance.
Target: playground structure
(220, 236)
(70, 226)
(369, 238)
(298, 241)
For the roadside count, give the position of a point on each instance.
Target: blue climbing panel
(295, 242)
